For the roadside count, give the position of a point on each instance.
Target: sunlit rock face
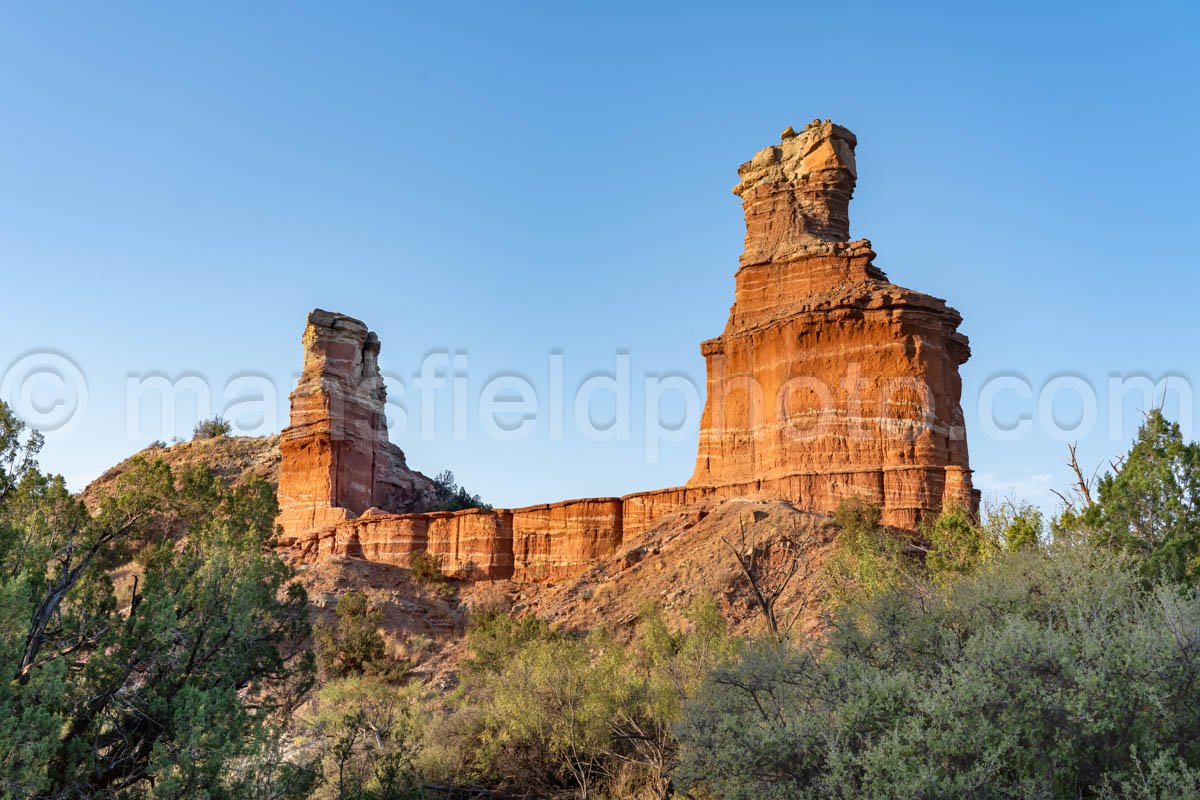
(828, 380)
(336, 461)
(797, 193)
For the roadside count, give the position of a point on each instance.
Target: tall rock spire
(829, 381)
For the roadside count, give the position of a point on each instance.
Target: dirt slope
(686, 556)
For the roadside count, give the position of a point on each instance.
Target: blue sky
(509, 181)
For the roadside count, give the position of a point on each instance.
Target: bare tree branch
(770, 568)
(1083, 486)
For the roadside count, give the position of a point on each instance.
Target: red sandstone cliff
(828, 382)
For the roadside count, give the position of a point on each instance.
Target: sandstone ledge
(553, 541)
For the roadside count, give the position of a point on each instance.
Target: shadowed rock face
(829, 381)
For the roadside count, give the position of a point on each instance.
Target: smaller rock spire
(336, 460)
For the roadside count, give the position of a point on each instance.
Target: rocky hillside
(234, 458)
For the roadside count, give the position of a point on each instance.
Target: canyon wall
(828, 382)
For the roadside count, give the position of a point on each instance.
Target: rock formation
(797, 193)
(828, 382)
(337, 461)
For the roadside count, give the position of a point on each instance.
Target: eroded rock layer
(562, 539)
(476, 544)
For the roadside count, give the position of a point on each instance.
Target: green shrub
(494, 637)
(213, 428)
(366, 735)
(1149, 507)
(546, 713)
(449, 496)
(868, 558)
(352, 645)
(178, 685)
(1014, 526)
(426, 569)
(1042, 674)
(957, 545)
